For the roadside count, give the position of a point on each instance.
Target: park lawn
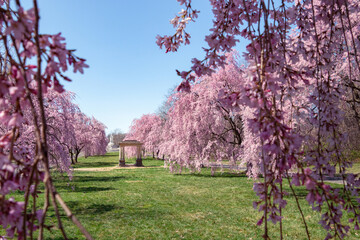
(355, 167)
(111, 160)
(151, 203)
(354, 156)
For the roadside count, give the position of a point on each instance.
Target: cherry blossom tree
(201, 129)
(95, 141)
(72, 130)
(59, 110)
(302, 62)
(31, 64)
(147, 130)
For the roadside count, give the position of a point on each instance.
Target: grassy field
(151, 203)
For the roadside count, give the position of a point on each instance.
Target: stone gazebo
(130, 143)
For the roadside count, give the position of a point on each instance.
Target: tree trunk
(157, 154)
(77, 155)
(72, 157)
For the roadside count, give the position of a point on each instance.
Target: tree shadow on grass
(95, 209)
(134, 212)
(96, 179)
(302, 192)
(84, 189)
(133, 166)
(91, 209)
(216, 175)
(114, 154)
(94, 164)
(92, 189)
(144, 213)
(62, 238)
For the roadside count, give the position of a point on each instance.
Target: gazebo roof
(130, 143)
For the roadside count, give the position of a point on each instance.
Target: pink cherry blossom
(294, 97)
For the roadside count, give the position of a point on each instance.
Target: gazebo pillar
(138, 157)
(130, 143)
(122, 156)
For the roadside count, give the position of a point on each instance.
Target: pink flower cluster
(37, 123)
(301, 77)
(172, 43)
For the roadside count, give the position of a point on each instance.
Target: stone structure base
(139, 163)
(130, 143)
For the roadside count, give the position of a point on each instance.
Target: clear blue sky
(129, 75)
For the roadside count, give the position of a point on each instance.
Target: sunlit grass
(111, 160)
(152, 203)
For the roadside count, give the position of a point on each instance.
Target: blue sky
(129, 75)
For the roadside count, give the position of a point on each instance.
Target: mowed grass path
(152, 203)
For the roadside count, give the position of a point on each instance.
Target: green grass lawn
(356, 167)
(151, 203)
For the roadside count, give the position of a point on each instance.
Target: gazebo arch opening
(130, 143)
